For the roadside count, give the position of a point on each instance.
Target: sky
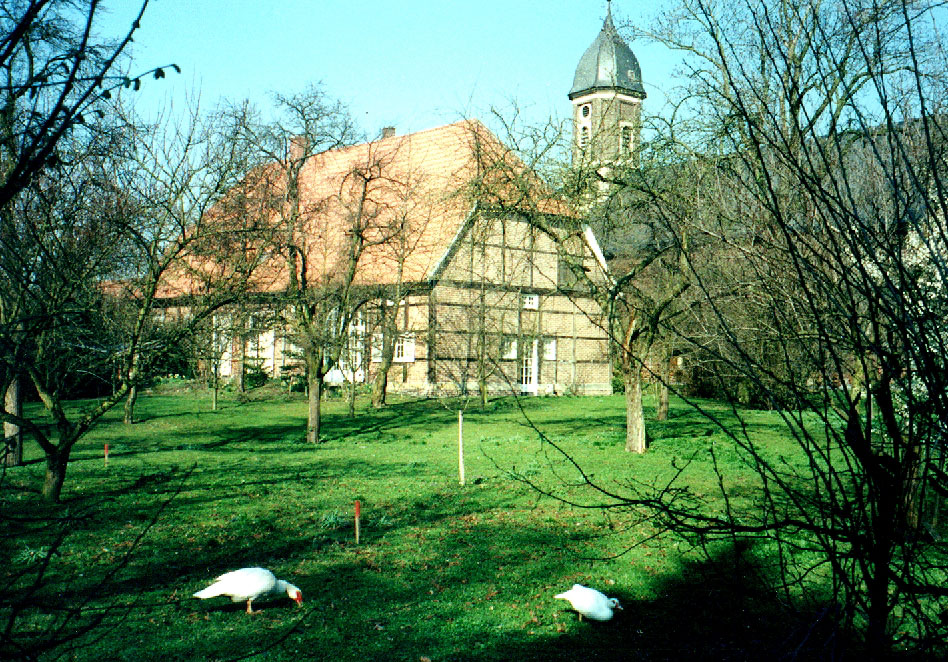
(411, 64)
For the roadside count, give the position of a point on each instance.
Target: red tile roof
(407, 197)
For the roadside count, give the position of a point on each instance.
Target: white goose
(249, 584)
(590, 603)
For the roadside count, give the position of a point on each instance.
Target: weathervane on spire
(607, 24)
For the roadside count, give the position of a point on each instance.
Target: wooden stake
(461, 445)
(106, 455)
(358, 507)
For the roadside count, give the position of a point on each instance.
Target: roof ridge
(440, 127)
(473, 121)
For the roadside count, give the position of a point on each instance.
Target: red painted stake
(358, 507)
(106, 455)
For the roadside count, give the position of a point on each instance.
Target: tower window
(625, 141)
(584, 136)
(585, 110)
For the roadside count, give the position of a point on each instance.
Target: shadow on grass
(356, 611)
(715, 610)
(462, 590)
(447, 576)
(241, 433)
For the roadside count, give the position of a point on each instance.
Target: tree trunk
(352, 396)
(664, 372)
(130, 405)
(56, 464)
(12, 434)
(239, 355)
(661, 407)
(380, 385)
(482, 368)
(878, 638)
(634, 415)
(315, 389)
(215, 385)
(880, 552)
(912, 488)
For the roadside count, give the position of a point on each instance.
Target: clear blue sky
(412, 64)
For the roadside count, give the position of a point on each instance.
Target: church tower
(607, 95)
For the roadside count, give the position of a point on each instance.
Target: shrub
(255, 376)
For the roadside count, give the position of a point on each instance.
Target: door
(529, 368)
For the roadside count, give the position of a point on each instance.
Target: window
(549, 349)
(332, 320)
(527, 374)
(583, 136)
(350, 358)
(404, 348)
(531, 301)
(508, 348)
(585, 110)
(376, 348)
(625, 141)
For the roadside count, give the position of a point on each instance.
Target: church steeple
(607, 94)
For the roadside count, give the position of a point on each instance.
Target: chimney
(388, 132)
(298, 145)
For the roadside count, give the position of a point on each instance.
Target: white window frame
(529, 368)
(549, 349)
(350, 359)
(375, 347)
(508, 347)
(404, 348)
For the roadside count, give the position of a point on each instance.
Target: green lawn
(443, 572)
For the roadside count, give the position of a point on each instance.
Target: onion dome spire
(608, 64)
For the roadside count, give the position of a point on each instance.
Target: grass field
(442, 572)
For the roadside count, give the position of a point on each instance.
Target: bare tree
(406, 230)
(124, 223)
(332, 207)
(54, 73)
(54, 78)
(184, 178)
(647, 279)
(526, 238)
(478, 341)
(825, 221)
